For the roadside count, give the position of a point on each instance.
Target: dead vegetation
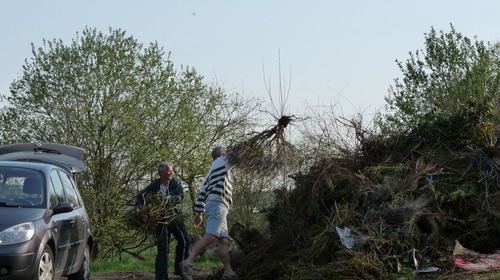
(155, 211)
(405, 199)
(143, 223)
(265, 153)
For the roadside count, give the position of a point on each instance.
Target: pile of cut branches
(405, 208)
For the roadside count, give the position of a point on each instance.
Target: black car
(44, 227)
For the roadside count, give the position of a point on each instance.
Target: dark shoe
(186, 270)
(229, 276)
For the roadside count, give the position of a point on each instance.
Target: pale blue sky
(325, 47)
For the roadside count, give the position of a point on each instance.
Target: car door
(65, 225)
(78, 237)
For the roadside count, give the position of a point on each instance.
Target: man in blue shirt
(172, 191)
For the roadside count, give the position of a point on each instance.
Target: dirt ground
(206, 274)
(126, 275)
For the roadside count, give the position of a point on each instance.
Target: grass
(128, 263)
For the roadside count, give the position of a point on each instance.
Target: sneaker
(186, 270)
(229, 276)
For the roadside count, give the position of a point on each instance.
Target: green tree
(129, 108)
(452, 75)
(252, 196)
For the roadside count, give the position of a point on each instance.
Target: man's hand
(139, 211)
(197, 220)
(173, 199)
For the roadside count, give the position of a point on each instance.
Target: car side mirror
(63, 207)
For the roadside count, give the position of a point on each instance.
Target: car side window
(69, 188)
(56, 191)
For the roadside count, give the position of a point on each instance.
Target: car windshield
(21, 187)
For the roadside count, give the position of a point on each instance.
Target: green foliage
(452, 74)
(383, 171)
(251, 196)
(129, 108)
(146, 262)
(127, 263)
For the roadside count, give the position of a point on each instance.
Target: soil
(208, 274)
(126, 275)
(205, 274)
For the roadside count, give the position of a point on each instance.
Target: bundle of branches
(266, 152)
(156, 211)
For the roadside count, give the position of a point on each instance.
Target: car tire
(84, 272)
(45, 266)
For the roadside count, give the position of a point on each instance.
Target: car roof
(31, 165)
(61, 155)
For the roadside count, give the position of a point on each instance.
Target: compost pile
(399, 203)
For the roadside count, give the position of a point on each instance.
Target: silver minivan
(44, 227)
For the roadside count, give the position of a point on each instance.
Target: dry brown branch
(265, 153)
(155, 211)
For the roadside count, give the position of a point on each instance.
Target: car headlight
(18, 233)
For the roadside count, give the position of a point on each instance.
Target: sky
(321, 52)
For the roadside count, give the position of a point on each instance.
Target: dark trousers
(163, 235)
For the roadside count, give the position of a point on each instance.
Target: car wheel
(46, 265)
(84, 272)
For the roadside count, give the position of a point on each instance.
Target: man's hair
(218, 152)
(164, 165)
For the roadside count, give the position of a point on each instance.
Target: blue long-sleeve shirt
(175, 190)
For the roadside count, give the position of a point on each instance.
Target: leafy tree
(129, 108)
(452, 75)
(252, 196)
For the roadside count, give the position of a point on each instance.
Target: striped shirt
(217, 185)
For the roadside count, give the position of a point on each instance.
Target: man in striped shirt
(215, 199)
